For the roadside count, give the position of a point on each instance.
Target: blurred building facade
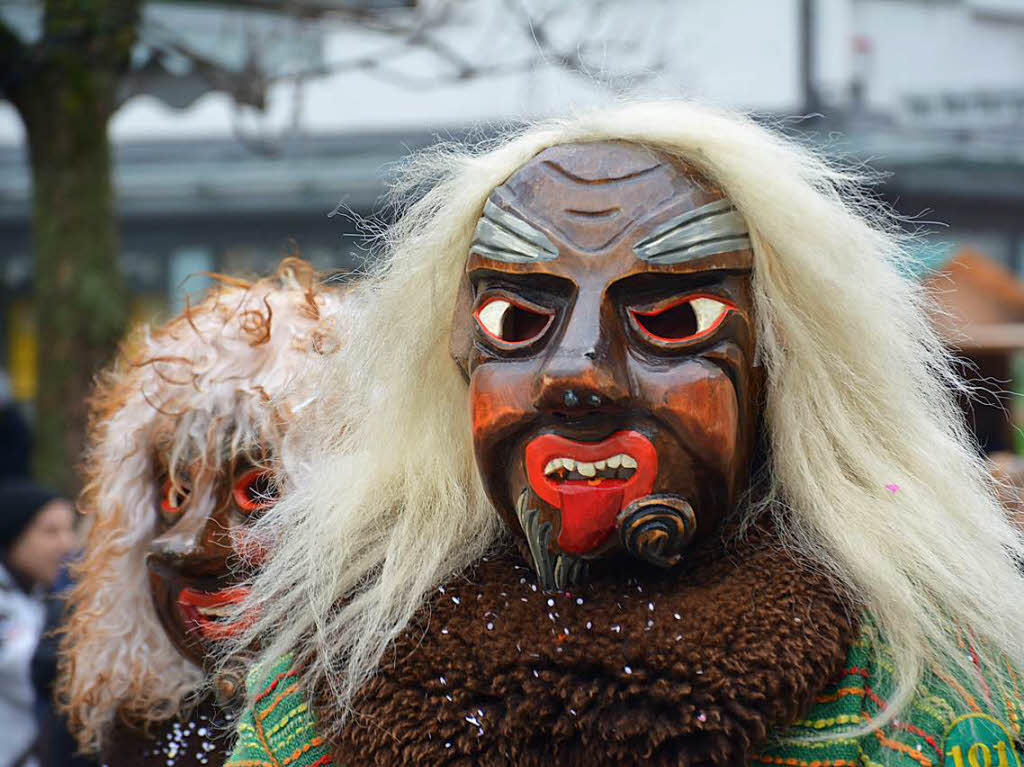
(930, 91)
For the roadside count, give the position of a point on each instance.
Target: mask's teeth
(619, 466)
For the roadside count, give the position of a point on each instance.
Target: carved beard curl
(654, 529)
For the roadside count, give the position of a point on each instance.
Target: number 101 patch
(978, 740)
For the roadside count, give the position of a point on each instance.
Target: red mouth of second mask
(589, 506)
(198, 609)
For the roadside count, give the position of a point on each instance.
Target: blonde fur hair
(219, 381)
(860, 395)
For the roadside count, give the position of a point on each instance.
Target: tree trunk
(79, 295)
(66, 97)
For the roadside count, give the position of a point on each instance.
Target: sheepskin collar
(691, 667)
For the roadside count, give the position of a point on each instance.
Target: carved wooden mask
(200, 556)
(605, 322)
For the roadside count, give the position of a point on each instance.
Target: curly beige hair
(222, 379)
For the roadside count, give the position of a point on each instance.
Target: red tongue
(588, 515)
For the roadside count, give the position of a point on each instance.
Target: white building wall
(926, 48)
(835, 39)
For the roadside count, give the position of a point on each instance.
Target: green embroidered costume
(279, 729)
(941, 715)
(944, 724)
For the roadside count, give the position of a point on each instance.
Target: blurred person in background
(35, 537)
(57, 747)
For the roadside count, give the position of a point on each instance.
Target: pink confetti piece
(702, 717)
(892, 487)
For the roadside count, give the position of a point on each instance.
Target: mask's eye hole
(173, 497)
(682, 320)
(511, 323)
(255, 491)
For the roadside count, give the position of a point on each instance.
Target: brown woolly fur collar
(694, 667)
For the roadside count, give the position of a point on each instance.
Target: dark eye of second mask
(173, 497)
(255, 491)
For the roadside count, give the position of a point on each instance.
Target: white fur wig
(223, 379)
(860, 396)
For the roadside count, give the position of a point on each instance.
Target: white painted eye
(512, 323)
(491, 316)
(709, 312)
(687, 319)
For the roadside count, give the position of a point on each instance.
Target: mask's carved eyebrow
(713, 228)
(504, 237)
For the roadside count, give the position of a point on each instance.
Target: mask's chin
(165, 598)
(556, 570)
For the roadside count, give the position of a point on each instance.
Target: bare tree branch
(545, 51)
(399, 32)
(412, 30)
(572, 59)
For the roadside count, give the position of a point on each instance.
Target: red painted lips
(200, 608)
(590, 505)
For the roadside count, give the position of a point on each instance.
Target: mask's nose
(586, 370)
(192, 545)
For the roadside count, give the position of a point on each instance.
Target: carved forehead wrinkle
(590, 195)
